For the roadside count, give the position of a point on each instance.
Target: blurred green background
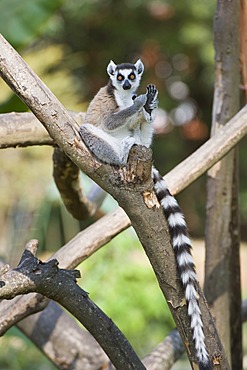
(69, 43)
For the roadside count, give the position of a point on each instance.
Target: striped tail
(186, 268)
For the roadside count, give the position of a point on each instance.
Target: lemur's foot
(152, 98)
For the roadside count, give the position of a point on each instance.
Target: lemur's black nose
(126, 85)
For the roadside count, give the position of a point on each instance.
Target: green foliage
(22, 21)
(121, 281)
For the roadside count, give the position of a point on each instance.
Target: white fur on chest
(123, 99)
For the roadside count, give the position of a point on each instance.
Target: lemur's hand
(140, 101)
(152, 98)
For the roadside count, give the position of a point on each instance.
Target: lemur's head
(126, 76)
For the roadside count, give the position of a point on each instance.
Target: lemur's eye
(132, 76)
(120, 77)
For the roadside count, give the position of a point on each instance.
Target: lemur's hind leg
(97, 145)
(98, 141)
(126, 145)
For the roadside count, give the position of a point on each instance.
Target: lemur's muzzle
(126, 85)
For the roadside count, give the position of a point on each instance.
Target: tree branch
(63, 341)
(32, 275)
(67, 178)
(166, 353)
(131, 186)
(24, 129)
(11, 312)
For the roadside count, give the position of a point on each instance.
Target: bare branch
(166, 353)
(88, 241)
(24, 129)
(63, 341)
(32, 275)
(14, 310)
(67, 178)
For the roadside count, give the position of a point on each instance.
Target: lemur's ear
(139, 67)
(111, 68)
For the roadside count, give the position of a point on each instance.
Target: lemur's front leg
(125, 117)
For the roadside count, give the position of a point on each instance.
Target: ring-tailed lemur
(117, 119)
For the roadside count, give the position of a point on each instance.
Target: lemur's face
(125, 76)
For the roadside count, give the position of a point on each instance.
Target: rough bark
(131, 186)
(32, 275)
(222, 281)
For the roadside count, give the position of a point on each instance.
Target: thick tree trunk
(222, 282)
